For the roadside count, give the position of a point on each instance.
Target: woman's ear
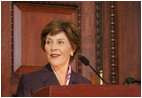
(72, 52)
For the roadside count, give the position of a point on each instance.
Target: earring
(71, 53)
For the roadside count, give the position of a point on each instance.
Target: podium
(89, 90)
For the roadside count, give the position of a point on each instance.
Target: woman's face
(58, 49)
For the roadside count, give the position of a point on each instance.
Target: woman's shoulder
(35, 74)
(31, 74)
(80, 79)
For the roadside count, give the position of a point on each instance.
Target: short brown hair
(71, 31)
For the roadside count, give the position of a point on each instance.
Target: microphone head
(84, 60)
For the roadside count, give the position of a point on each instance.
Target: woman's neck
(61, 73)
(60, 69)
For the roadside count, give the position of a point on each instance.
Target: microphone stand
(98, 74)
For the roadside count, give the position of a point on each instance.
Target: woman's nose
(54, 47)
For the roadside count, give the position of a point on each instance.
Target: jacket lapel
(73, 79)
(48, 76)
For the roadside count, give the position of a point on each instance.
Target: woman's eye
(48, 42)
(61, 42)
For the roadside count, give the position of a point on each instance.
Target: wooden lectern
(89, 90)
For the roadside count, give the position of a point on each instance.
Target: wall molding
(74, 5)
(113, 47)
(98, 16)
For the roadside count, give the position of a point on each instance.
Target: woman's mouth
(55, 55)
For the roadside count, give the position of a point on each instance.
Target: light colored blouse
(68, 75)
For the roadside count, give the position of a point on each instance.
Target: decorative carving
(99, 36)
(79, 69)
(12, 41)
(113, 43)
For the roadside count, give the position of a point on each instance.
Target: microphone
(130, 80)
(85, 61)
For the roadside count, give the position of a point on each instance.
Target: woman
(60, 41)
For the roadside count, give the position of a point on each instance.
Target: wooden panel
(26, 69)
(5, 48)
(29, 20)
(106, 41)
(87, 90)
(129, 28)
(113, 44)
(88, 36)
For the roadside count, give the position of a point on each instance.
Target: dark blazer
(31, 82)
